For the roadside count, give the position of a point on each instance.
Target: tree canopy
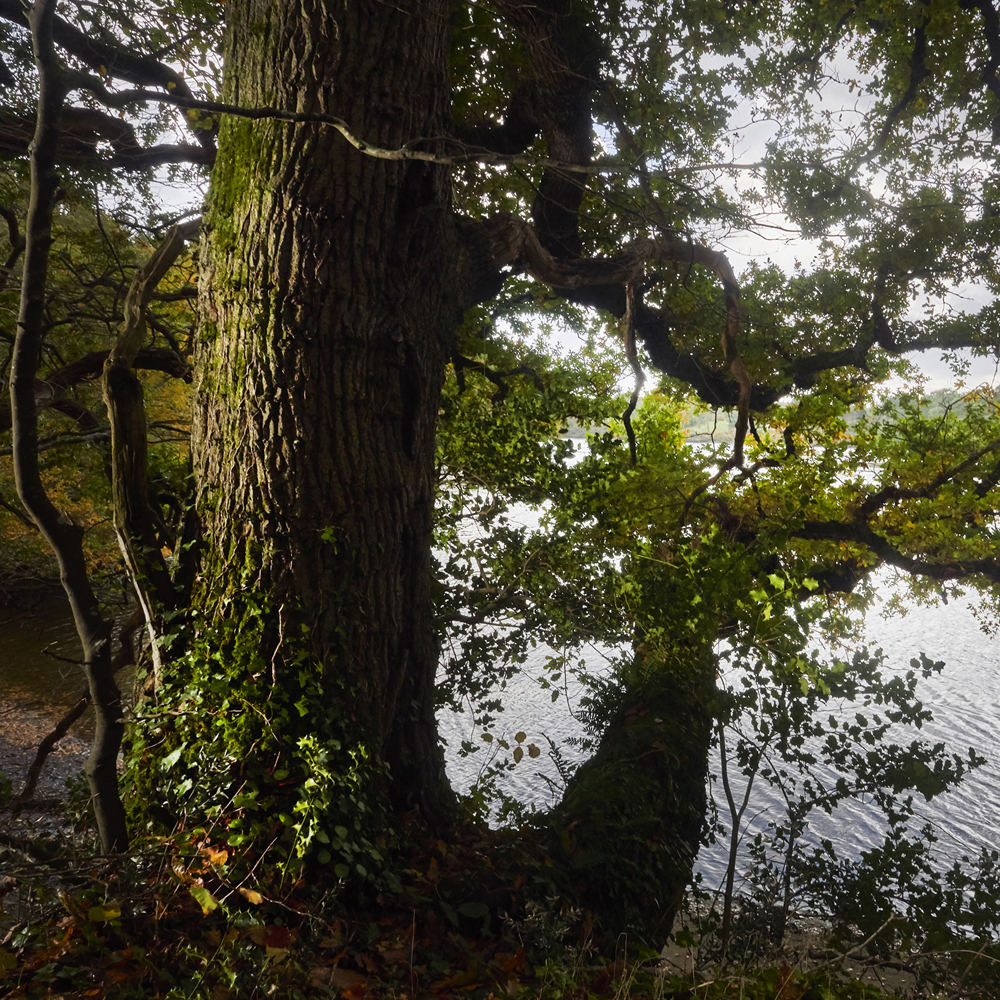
(433, 236)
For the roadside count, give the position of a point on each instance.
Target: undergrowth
(188, 916)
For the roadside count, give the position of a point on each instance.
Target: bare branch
(633, 360)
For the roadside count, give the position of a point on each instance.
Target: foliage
(256, 760)
(192, 919)
(669, 565)
(95, 254)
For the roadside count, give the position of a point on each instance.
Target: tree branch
(49, 391)
(112, 59)
(135, 521)
(65, 537)
(863, 534)
(515, 244)
(83, 129)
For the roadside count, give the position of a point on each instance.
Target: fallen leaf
(205, 899)
(276, 936)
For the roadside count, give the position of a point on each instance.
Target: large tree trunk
(329, 302)
(332, 284)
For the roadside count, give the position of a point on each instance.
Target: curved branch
(65, 537)
(50, 391)
(114, 60)
(861, 533)
(83, 129)
(515, 244)
(633, 360)
(876, 501)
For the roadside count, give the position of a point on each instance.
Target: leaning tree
(388, 181)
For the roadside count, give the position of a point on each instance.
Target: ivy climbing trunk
(328, 306)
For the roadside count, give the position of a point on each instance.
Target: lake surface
(964, 699)
(36, 689)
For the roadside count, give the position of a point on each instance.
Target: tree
(367, 206)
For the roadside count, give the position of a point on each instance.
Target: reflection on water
(965, 701)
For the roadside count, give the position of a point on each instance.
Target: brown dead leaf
(276, 936)
(215, 857)
(349, 982)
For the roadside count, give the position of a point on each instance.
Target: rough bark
(329, 303)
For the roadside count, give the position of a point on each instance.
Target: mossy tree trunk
(328, 308)
(333, 283)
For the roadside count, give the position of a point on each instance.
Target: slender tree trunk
(328, 308)
(65, 537)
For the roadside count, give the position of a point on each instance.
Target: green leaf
(205, 899)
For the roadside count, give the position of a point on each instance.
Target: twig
(45, 748)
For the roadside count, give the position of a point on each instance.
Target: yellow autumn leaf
(205, 899)
(251, 896)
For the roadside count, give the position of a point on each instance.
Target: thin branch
(413, 150)
(137, 525)
(65, 537)
(45, 748)
(633, 360)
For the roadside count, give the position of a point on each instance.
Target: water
(37, 639)
(964, 699)
(40, 671)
